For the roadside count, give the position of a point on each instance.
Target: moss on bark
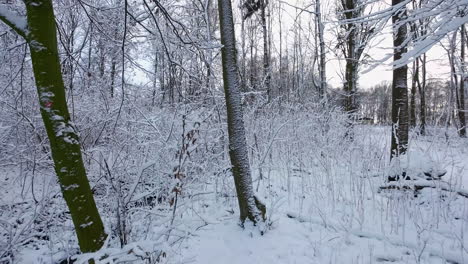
(62, 134)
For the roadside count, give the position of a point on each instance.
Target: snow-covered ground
(323, 197)
(342, 217)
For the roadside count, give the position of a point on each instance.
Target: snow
(19, 22)
(226, 242)
(373, 232)
(64, 129)
(87, 224)
(166, 197)
(322, 196)
(295, 239)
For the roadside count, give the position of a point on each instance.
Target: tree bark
(413, 93)
(266, 53)
(249, 206)
(112, 77)
(351, 68)
(422, 94)
(63, 137)
(454, 85)
(461, 93)
(322, 66)
(399, 142)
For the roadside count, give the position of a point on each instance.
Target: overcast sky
(381, 46)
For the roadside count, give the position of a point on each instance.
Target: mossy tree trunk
(41, 36)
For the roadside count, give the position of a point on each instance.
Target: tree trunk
(248, 204)
(112, 77)
(350, 86)
(422, 94)
(351, 68)
(461, 93)
(399, 141)
(413, 93)
(244, 53)
(63, 136)
(322, 66)
(453, 79)
(282, 77)
(266, 54)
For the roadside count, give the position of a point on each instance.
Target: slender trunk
(63, 137)
(90, 47)
(281, 71)
(422, 94)
(102, 58)
(453, 76)
(294, 72)
(266, 55)
(208, 64)
(461, 93)
(399, 142)
(155, 78)
(249, 206)
(252, 59)
(244, 52)
(413, 93)
(112, 77)
(322, 67)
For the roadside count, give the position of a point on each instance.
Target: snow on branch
(419, 185)
(433, 20)
(438, 18)
(16, 22)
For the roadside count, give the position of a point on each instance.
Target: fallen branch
(419, 185)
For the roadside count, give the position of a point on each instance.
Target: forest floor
(344, 217)
(323, 207)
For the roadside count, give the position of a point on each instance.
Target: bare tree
(418, 29)
(352, 39)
